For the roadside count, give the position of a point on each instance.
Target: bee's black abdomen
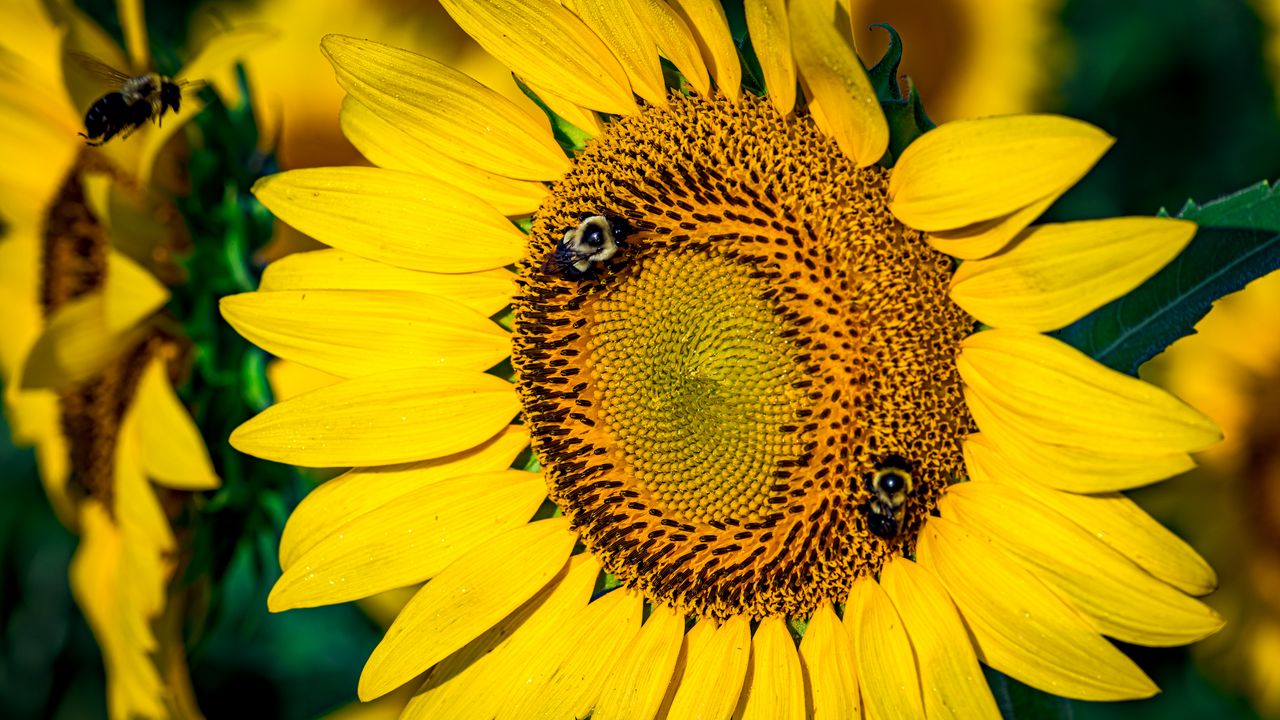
(885, 526)
(105, 117)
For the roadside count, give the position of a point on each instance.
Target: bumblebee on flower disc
(594, 240)
(139, 99)
(889, 486)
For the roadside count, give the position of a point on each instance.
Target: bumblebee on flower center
(707, 400)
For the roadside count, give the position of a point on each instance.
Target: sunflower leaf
(1238, 242)
(1017, 701)
(884, 76)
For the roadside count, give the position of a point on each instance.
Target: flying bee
(889, 486)
(139, 99)
(594, 240)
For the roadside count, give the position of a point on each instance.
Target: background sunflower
(1183, 83)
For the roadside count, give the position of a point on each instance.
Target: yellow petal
(76, 344)
(989, 236)
(1111, 517)
(290, 379)
(1066, 466)
(836, 79)
(547, 44)
(393, 417)
(1116, 596)
(588, 648)
(1060, 395)
(469, 597)
(475, 681)
(1056, 274)
(363, 490)
(134, 27)
(710, 28)
(1022, 628)
(485, 292)
(969, 171)
(636, 685)
(675, 41)
(770, 35)
(714, 673)
(886, 665)
(393, 217)
(619, 26)
(585, 119)
(361, 332)
(951, 681)
(408, 540)
(445, 109)
(826, 655)
(131, 293)
(775, 687)
(386, 145)
(173, 453)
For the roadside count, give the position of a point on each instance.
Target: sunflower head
(764, 402)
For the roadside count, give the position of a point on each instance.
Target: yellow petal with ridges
(469, 597)
(465, 684)
(392, 417)
(1066, 466)
(675, 41)
(361, 332)
(770, 34)
(989, 236)
(586, 645)
(836, 79)
(1111, 517)
(1055, 274)
(826, 656)
(775, 686)
(394, 217)
(619, 26)
(714, 673)
(76, 344)
(710, 28)
(637, 683)
(968, 171)
(585, 119)
(1021, 627)
(549, 45)
(408, 540)
(1060, 395)
(387, 146)
(173, 453)
(951, 682)
(1119, 598)
(364, 490)
(886, 664)
(485, 292)
(445, 109)
(290, 379)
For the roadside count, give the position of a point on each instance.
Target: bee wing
(98, 69)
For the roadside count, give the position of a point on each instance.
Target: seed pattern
(706, 406)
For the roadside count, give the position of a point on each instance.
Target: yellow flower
(86, 355)
(1231, 506)
(779, 472)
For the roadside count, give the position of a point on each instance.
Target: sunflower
(777, 466)
(87, 357)
(1232, 502)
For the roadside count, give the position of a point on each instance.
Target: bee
(594, 240)
(889, 486)
(139, 99)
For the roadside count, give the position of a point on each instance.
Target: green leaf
(1023, 702)
(1238, 242)
(884, 76)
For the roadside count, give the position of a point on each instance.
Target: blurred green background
(1182, 84)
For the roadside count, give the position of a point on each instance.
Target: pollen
(707, 402)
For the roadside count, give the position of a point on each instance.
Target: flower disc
(708, 402)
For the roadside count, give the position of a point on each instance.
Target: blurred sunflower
(87, 356)
(1233, 501)
(781, 474)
